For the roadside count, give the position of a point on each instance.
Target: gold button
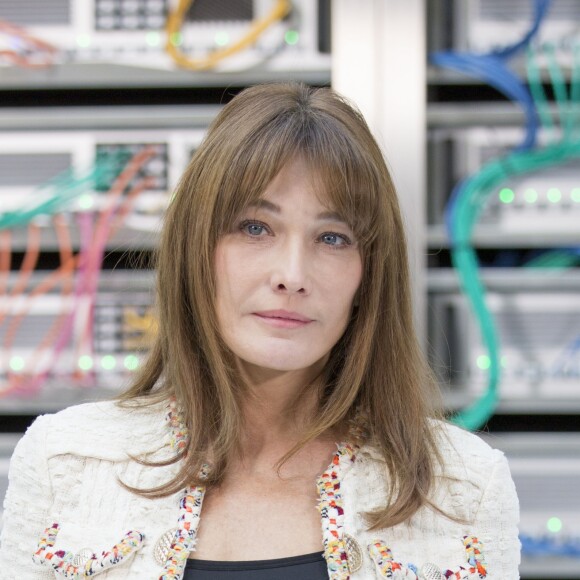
(163, 546)
(83, 556)
(353, 553)
(430, 571)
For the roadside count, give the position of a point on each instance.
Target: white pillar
(379, 62)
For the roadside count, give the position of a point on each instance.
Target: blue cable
(491, 69)
(548, 546)
(495, 73)
(540, 10)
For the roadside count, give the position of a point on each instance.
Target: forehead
(296, 187)
(270, 206)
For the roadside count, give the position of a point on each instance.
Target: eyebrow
(274, 208)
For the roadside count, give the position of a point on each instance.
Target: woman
(285, 392)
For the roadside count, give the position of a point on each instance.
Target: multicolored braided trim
(178, 439)
(62, 561)
(385, 564)
(185, 535)
(189, 505)
(332, 513)
(387, 567)
(477, 567)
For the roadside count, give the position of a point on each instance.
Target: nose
(290, 269)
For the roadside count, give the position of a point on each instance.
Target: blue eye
(332, 239)
(254, 229)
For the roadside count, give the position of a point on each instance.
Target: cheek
(235, 277)
(344, 281)
(223, 275)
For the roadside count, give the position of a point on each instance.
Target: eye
(334, 239)
(253, 228)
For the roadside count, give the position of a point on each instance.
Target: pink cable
(85, 223)
(92, 249)
(104, 226)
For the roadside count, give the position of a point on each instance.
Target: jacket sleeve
(26, 506)
(497, 520)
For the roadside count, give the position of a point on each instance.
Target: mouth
(283, 318)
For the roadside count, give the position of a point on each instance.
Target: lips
(283, 318)
(283, 315)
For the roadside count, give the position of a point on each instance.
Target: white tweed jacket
(65, 505)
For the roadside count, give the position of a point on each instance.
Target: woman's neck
(277, 412)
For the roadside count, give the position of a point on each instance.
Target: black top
(305, 567)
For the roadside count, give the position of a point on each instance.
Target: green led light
(108, 362)
(222, 38)
(153, 38)
(554, 194)
(131, 362)
(16, 363)
(83, 40)
(176, 38)
(507, 195)
(554, 525)
(291, 37)
(86, 362)
(86, 201)
(531, 195)
(483, 362)
(575, 194)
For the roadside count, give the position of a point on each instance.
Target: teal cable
(575, 82)
(560, 91)
(554, 259)
(474, 416)
(464, 258)
(54, 196)
(537, 90)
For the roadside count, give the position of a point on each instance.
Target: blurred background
(477, 106)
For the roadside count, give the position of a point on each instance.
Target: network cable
(549, 546)
(31, 52)
(468, 197)
(555, 259)
(88, 263)
(58, 194)
(174, 25)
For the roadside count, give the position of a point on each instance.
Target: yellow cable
(175, 23)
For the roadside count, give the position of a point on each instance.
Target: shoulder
(460, 450)
(472, 496)
(103, 430)
(463, 452)
(469, 470)
(473, 482)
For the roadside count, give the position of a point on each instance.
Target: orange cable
(129, 201)
(117, 188)
(67, 263)
(48, 50)
(68, 260)
(5, 262)
(26, 269)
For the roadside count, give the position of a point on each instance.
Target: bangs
(347, 179)
(347, 183)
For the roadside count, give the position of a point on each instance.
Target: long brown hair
(375, 374)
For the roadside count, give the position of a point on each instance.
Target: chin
(283, 362)
(283, 365)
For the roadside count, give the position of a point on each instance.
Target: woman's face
(287, 273)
